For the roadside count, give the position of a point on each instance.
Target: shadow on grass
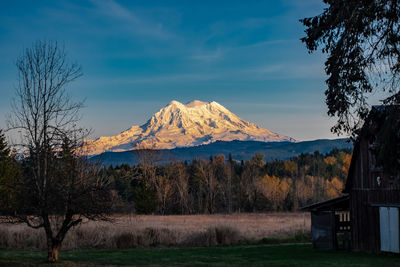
(254, 255)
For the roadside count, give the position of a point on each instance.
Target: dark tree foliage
(384, 129)
(4, 150)
(10, 172)
(144, 197)
(388, 155)
(362, 40)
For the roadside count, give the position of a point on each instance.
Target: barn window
(389, 228)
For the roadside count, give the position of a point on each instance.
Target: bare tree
(227, 184)
(181, 184)
(207, 173)
(59, 188)
(147, 158)
(163, 188)
(252, 174)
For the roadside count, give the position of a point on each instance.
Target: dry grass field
(128, 231)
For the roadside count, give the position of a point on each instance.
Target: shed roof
(334, 204)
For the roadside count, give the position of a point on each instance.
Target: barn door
(389, 229)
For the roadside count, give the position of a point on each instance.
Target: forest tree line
(215, 185)
(223, 185)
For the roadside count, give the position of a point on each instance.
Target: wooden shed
(373, 190)
(330, 223)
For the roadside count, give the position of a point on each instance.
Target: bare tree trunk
(53, 251)
(53, 246)
(54, 241)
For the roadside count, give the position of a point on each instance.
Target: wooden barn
(330, 223)
(372, 186)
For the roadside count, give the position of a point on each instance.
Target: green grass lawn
(270, 255)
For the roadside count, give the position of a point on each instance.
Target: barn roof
(334, 204)
(349, 180)
(373, 124)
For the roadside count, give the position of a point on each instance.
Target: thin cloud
(94, 82)
(208, 56)
(288, 70)
(253, 23)
(280, 105)
(261, 73)
(267, 69)
(113, 9)
(304, 3)
(273, 42)
(131, 22)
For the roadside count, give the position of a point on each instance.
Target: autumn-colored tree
(274, 189)
(334, 188)
(253, 173)
(220, 185)
(291, 167)
(304, 192)
(330, 160)
(346, 164)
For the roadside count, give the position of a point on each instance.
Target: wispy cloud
(213, 55)
(253, 23)
(182, 78)
(282, 71)
(162, 79)
(288, 70)
(131, 21)
(208, 56)
(273, 42)
(303, 3)
(273, 68)
(265, 106)
(113, 9)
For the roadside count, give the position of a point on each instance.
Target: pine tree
(4, 150)
(10, 172)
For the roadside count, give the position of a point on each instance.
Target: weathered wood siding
(366, 194)
(322, 229)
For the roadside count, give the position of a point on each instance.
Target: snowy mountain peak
(195, 104)
(181, 125)
(175, 103)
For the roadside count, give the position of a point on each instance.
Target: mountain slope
(179, 125)
(240, 150)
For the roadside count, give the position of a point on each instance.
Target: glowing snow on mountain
(182, 125)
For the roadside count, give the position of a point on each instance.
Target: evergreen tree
(4, 150)
(10, 172)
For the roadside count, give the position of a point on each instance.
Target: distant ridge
(240, 150)
(184, 125)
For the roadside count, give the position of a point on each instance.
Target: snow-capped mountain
(182, 125)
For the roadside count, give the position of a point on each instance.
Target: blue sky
(137, 56)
